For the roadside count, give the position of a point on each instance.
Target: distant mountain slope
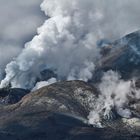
(122, 56)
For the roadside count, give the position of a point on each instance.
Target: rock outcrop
(11, 96)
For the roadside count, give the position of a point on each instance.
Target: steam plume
(116, 95)
(44, 83)
(66, 42)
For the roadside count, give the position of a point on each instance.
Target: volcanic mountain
(60, 111)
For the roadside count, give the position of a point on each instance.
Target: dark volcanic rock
(11, 96)
(51, 126)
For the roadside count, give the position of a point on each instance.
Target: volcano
(59, 111)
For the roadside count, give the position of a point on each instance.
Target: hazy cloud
(19, 19)
(18, 22)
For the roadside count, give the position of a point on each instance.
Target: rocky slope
(59, 112)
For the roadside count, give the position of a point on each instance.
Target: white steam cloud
(66, 42)
(6, 57)
(44, 83)
(116, 94)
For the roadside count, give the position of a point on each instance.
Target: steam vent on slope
(78, 78)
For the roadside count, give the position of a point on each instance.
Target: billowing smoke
(6, 57)
(115, 96)
(12, 34)
(66, 42)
